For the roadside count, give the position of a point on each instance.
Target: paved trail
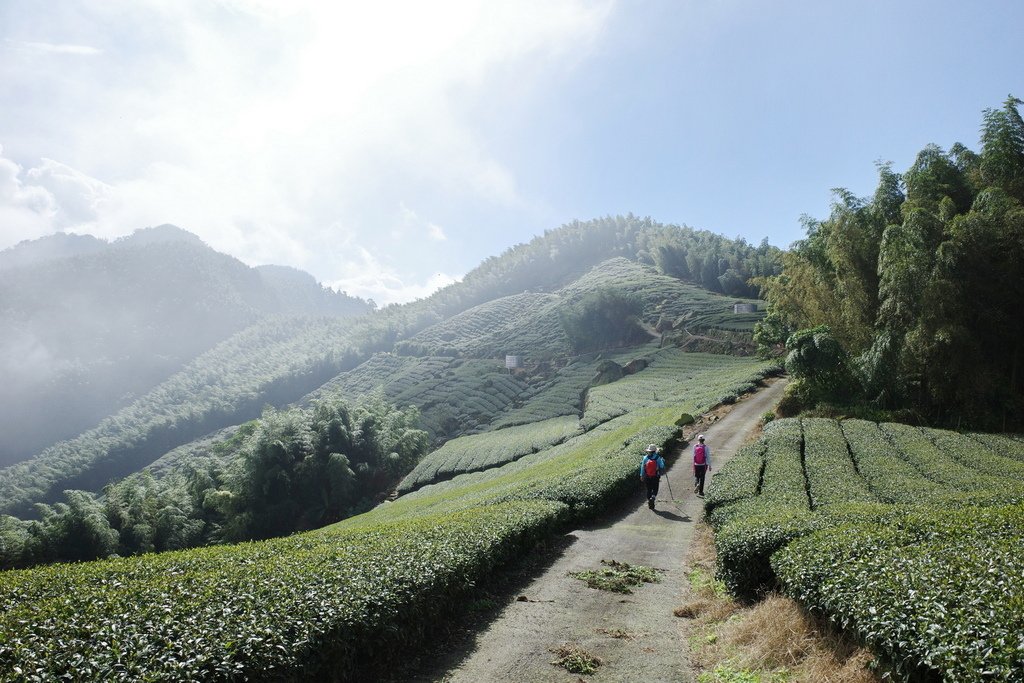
(516, 646)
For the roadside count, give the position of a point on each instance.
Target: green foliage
(1002, 138)
(564, 391)
(295, 470)
(832, 476)
(911, 589)
(770, 335)
(317, 604)
(478, 452)
(821, 365)
(919, 286)
(455, 396)
(330, 604)
(304, 469)
(929, 576)
(602, 319)
(709, 380)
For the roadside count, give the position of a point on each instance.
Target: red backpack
(651, 467)
(700, 454)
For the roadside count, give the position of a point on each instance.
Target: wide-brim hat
(652, 448)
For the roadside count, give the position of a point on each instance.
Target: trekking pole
(671, 495)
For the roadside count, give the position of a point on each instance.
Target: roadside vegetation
(906, 537)
(768, 641)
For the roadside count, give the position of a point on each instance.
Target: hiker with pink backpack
(701, 464)
(651, 469)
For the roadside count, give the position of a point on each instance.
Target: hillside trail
(636, 636)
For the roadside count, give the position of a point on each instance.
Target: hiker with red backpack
(701, 464)
(651, 469)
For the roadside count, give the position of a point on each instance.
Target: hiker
(651, 469)
(701, 464)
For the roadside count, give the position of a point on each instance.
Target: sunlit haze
(389, 147)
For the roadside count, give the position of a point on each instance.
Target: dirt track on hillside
(554, 609)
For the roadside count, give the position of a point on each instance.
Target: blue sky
(389, 147)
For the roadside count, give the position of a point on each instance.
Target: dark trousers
(652, 487)
(698, 478)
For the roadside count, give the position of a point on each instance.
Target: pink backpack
(700, 454)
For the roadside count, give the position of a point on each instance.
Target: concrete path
(516, 646)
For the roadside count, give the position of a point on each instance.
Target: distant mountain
(298, 292)
(87, 325)
(672, 277)
(60, 245)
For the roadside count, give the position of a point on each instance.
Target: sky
(389, 147)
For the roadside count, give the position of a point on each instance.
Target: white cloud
(26, 211)
(364, 275)
(412, 225)
(262, 126)
(435, 232)
(85, 50)
(79, 199)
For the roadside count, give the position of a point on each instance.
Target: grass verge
(772, 640)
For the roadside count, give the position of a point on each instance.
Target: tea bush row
(931, 578)
(976, 455)
(931, 591)
(832, 476)
(938, 464)
(309, 606)
(477, 452)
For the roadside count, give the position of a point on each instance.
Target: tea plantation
(671, 376)
(334, 604)
(909, 537)
(528, 323)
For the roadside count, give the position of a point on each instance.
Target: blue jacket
(657, 458)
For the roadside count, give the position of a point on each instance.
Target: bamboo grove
(908, 300)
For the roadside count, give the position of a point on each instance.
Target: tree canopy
(920, 285)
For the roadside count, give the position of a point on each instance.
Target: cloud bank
(332, 137)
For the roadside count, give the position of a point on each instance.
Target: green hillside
(907, 536)
(671, 377)
(521, 454)
(301, 606)
(529, 323)
(274, 361)
(87, 326)
(277, 362)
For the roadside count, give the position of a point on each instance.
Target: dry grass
(773, 635)
(618, 633)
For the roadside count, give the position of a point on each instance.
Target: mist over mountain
(87, 325)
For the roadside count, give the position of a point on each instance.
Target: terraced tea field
(528, 323)
(672, 377)
(910, 537)
(319, 604)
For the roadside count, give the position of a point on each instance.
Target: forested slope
(86, 326)
(910, 298)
